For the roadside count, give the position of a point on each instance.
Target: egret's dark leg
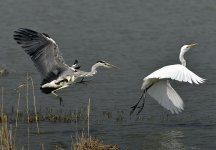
(59, 97)
(135, 106)
(143, 103)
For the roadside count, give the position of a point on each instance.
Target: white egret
(157, 84)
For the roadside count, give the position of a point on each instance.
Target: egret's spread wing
(166, 96)
(43, 51)
(176, 72)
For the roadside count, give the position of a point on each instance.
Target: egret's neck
(181, 58)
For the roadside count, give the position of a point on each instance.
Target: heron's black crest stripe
(101, 61)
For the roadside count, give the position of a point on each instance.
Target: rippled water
(139, 37)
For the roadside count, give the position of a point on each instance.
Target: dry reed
(89, 143)
(83, 142)
(7, 139)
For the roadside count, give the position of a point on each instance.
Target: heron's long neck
(94, 69)
(181, 58)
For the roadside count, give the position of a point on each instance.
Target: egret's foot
(133, 108)
(136, 106)
(140, 108)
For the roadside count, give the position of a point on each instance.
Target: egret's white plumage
(175, 72)
(166, 96)
(158, 86)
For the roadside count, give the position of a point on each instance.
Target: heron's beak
(112, 66)
(192, 45)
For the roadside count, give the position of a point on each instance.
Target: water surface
(139, 37)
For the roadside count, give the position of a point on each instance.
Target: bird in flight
(157, 84)
(48, 60)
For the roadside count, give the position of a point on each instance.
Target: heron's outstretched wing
(166, 96)
(43, 51)
(176, 72)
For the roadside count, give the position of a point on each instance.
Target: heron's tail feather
(51, 76)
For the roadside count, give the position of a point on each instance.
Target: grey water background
(139, 36)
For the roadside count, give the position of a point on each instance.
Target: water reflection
(168, 140)
(172, 140)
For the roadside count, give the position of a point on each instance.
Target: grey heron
(48, 60)
(158, 86)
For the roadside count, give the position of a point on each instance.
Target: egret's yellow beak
(192, 45)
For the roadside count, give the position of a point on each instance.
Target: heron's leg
(82, 81)
(59, 97)
(135, 106)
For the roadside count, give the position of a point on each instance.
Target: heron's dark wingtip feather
(25, 36)
(17, 34)
(22, 34)
(27, 33)
(27, 30)
(42, 50)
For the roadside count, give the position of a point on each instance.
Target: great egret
(157, 84)
(48, 60)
